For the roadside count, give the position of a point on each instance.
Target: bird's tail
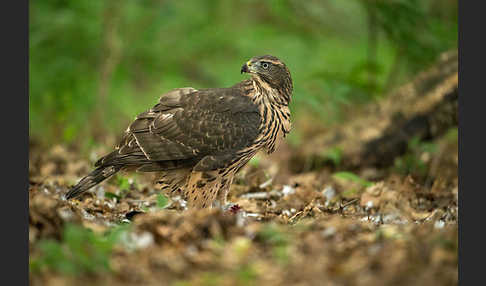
(95, 177)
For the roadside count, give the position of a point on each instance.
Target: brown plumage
(199, 139)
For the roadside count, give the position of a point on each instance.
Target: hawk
(199, 139)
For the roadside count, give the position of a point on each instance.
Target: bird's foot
(237, 212)
(235, 209)
(232, 208)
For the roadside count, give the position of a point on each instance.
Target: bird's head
(272, 71)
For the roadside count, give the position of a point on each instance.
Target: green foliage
(111, 195)
(348, 176)
(80, 251)
(181, 283)
(353, 178)
(412, 162)
(334, 155)
(414, 29)
(211, 279)
(124, 186)
(246, 275)
(350, 193)
(162, 201)
(94, 65)
(123, 183)
(452, 134)
(255, 161)
(272, 235)
(278, 241)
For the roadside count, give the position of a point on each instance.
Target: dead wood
(425, 108)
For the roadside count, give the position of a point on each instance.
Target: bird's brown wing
(186, 126)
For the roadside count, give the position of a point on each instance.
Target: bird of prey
(199, 139)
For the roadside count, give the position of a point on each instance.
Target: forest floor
(309, 228)
(300, 223)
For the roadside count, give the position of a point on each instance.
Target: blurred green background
(94, 65)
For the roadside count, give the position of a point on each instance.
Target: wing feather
(187, 125)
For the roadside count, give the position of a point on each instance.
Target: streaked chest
(275, 118)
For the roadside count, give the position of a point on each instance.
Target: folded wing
(186, 126)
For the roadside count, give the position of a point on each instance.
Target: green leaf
(162, 201)
(247, 275)
(352, 177)
(273, 235)
(255, 161)
(123, 183)
(452, 134)
(350, 193)
(80, 251)
(334, 154)
(111, 195)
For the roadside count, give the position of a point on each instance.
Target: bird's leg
(221, 200)
(201, 189)
(223, 191)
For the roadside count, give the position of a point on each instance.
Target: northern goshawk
(199, 139)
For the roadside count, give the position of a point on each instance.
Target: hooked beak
(246, 67)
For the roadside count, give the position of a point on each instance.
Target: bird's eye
(265, 65)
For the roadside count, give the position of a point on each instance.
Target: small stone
(65, 214)
(144, 240)
(256, 195)
(439, 224)
(266, 184)
(369, 205)
(329, 193)
(87, 215)
(138, 241)
(100, 192)
(328, 232)
(287, 190)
